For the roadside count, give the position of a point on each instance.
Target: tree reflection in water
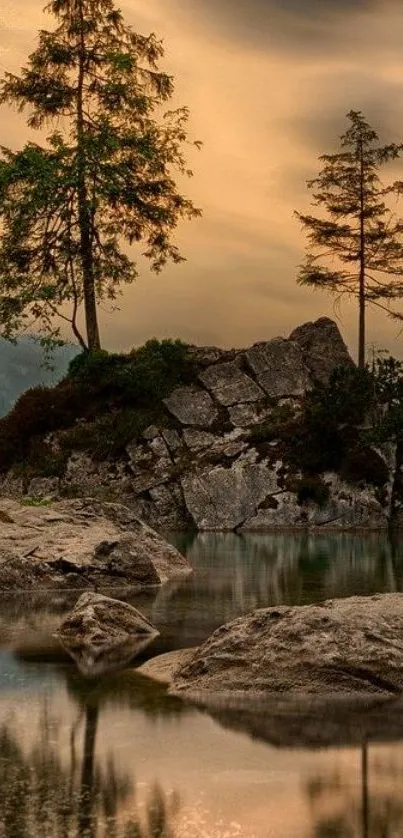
(45, 796)
(375, 812)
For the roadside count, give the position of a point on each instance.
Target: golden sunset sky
(268, 84)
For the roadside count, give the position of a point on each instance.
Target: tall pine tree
(356, 248)
(105, 176)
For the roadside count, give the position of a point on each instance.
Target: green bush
(36, 413)
(363, 464)
(145, 376)
(312, 489)
(107, 436)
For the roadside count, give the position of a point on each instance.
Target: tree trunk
(361, 289)
(86, 800)
(84, 213)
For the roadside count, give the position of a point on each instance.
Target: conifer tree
(104, 178)
(356, 248)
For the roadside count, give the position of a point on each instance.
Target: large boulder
(323, 348)
(101, 633)
(345, 647)
(81, 544)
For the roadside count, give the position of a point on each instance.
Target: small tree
(105, 175)
(359, 236)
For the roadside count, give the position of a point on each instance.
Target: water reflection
(51, 791)
(115, 757)
(372, 808)
(233, 574)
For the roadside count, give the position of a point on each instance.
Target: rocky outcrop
(81, 544)
(345, 647)
(322, 346)
(103, 633)
(212, 460)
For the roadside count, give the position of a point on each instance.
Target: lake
(117, 757)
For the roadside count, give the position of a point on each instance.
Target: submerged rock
(81, 544)
(103, 633)
(338, 648)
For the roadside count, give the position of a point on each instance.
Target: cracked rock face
(340, 647)
(103, 633)
(279, 367)
(222, 498)
(192, 406)
(230, 385)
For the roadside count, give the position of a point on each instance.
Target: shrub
(107, 436)
(312, 489)
(364, 464)
(145, 376)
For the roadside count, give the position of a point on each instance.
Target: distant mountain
(21, 367)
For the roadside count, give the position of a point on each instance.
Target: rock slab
(346, 647)
(81, 544)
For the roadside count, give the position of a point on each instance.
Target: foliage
(104, 402)
(145, 376)
(312, 489)
(107, 436)
(105, 175)
(356, 247)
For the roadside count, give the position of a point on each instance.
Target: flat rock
(192, 406)
(322, 346)
(343, 647)
(230, 385)
(163, 667)
(222, 498)
(81, 544)
(102, 633)
(279, 367)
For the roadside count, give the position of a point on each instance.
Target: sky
(268, 84)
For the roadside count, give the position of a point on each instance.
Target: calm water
(118, 758)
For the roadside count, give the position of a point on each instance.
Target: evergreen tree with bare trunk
(356, 248)
(104, 178)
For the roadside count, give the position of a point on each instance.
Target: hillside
(283, 434)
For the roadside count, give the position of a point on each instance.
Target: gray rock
(198, 440)
(192, 406)
(230, 385)
(247, 415)
(102, 633)
(323, 347)
(44, 487)
(222, 498)
(342, 647)
(81, 544)
(279, 367)
(349, 508)
(172, 440)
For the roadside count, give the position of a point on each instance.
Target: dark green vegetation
(104, 177)
(355, 247)
(339, 427)
(103, 403)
